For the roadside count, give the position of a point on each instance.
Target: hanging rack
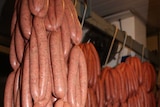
(109, 29)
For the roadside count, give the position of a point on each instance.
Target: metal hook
(75, 3)
(142, 57)
(111, 46)
(122, 48)
(84, 13)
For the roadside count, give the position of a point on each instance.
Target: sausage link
(8, 93)
(102, 99)
(78, 37)
(94, 51)
(34, 66)
(70, 18)
(107, 87)
(16, 85)
(65, 38)
(83, 76)
(13, 21)
(51, 15)
(56, 49)
(44, 10)
(19, 44)
(59, 12)
(78, 92)
(73, 69)
(12, 54)
(43, 53)
(43, 102)
(26, 96)
(25, 19)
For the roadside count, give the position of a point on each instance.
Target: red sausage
(8, 93)
(93, 49)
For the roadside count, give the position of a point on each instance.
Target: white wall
(135, 28)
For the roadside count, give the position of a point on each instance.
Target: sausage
(16, 85)
(70, 18)
(34, 66)
(73, 69)
(8, 93)
(94, 51)
(13, 21)
(65, 38)
(153, 72)
(92, 66)
(47, 23)
(19, 44)
(83, 76)
(78, 37)
(14, 16)
(12, 54)
(78, 91)
(26, 96)
(33, 10)
(119, 87)
(51, 15)
(59, 12)
(25, 19)
(130, 79)
(44, 10)
(43, 102)
(107, 87)
(64, 67)
(55, 49)
(115, 88)
(102, 99)
(93, 98)
(38, 7)
(97, 91)
(124, 81)
(112, 86)
(43, 53)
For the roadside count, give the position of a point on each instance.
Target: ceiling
(147, 10)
